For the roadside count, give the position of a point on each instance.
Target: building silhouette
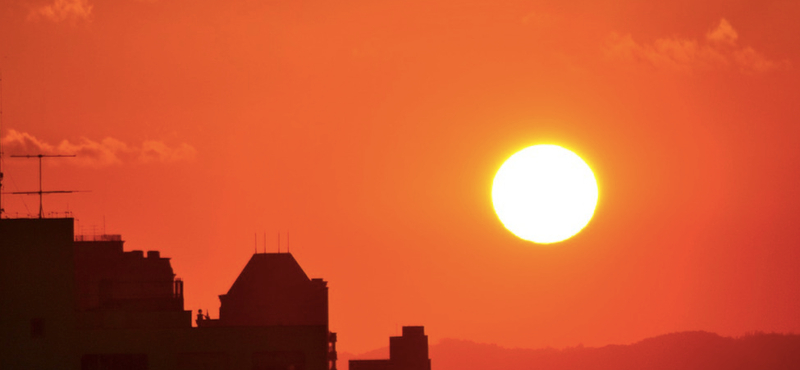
(75, 302)
(407, 352)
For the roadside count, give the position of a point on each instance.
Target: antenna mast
(40, 192)
(1, 145)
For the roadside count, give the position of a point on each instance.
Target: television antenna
(41, 192)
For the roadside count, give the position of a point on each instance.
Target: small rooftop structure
(408, 352)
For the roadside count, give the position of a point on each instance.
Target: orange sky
(371, 130)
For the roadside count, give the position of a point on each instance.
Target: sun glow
(544, 194)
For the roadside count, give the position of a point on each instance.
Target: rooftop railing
(54, 214)
(98, 238)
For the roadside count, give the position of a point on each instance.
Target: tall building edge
(37, 311)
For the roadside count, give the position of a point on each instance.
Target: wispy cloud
(72, 11)
(106, 152)
(723, 33)
(719, 49)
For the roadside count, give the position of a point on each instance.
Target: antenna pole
(40, 187)
(42, 192)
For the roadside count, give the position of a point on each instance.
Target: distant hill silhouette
(686, 350)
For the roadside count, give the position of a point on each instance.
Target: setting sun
(544, 194)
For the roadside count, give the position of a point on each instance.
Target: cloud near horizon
(719, 49)
(71, 11)
(106, 152)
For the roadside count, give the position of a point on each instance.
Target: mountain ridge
(688, 350)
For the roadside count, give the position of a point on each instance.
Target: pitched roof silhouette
(269, 272)
(273, 290)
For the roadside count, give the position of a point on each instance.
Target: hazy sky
(371, 131)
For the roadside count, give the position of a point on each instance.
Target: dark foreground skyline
(83, 302)
(78, 302)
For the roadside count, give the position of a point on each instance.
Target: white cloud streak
(72, 11)
(106, 152)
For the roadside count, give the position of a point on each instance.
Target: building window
(37, 328)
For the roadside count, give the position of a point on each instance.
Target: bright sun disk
(544, 194)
